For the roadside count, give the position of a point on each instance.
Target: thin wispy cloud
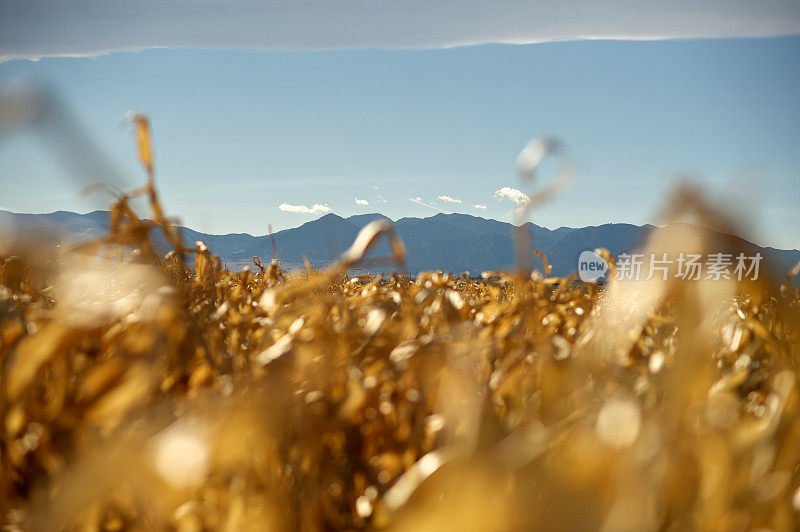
(361, 202)
(40, 28)
(379, 197)
(317, 208)
(479, 207)
(513, 194)
(419, 201)
(449, 199)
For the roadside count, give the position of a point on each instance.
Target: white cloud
(480, 207)
(419, 201)
(448, 199)
(517, 196)
(39, 28)
(362, 202)
(317, 208)
(379, 197)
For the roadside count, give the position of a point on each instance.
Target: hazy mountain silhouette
(449, 242)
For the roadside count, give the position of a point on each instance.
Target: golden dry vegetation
(142, 392)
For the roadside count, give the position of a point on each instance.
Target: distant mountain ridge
(448, 242)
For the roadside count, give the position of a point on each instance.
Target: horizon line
(320, 217)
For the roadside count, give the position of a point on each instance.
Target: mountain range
(449, 242)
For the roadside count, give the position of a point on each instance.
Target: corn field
(149, 392)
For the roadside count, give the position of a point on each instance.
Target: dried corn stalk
(142, 393)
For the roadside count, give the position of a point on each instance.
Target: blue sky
(239, 132)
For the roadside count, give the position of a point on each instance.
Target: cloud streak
(40, 28)
(361, 202)
(479, 207)
(419, 201)
(317, 208)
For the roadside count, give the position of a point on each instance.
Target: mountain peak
(452, 242)
(453, 215)
(361, 220)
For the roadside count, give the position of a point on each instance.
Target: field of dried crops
(142, 392)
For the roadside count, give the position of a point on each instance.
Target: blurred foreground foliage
(142, 392)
